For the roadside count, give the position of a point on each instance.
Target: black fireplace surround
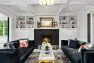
(52, 34)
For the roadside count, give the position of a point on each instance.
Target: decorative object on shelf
(24, 22)
(68, 21)
(46, 2)
(54, 24)
(38, 24)
(20, 23)
(29, 22)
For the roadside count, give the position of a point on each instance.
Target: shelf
(23, 22)
(68, 21)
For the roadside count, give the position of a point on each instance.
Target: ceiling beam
(9, 10)
(28, 7)
(31, 9)
(46, 14)
(22, 6)
(62, 6)
(60, 9)
(25, 7)
(71, 3)
(85, 9)
(6, 12)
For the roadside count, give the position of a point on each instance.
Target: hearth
(51, 34)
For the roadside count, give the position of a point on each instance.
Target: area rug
(59, 56)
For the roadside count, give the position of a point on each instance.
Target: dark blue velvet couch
(71, 51)
(16, 55)
(9, 56)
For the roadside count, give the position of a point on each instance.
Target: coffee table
(46, 58)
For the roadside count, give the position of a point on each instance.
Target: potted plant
(46, 50)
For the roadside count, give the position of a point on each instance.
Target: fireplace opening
(47, 38)
(51, 34)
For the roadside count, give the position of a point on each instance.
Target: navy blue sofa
(9, 56)
(87, 56)
(16, 54)
(71, 51)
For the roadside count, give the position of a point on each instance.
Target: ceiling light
(46, 2)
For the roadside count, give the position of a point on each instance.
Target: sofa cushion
(76, 57)
(72, 54)
(74, 44)
(22, 51)
(64, 42)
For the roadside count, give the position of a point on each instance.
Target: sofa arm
(87, 56)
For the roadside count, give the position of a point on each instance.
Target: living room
(67, 25)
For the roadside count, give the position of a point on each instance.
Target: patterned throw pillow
(23, 43)
(82, 47)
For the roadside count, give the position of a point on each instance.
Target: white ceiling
(32, 6)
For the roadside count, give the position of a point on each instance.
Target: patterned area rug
(59, 56)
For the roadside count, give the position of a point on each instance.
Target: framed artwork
(46, 22)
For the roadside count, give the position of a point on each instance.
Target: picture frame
(46, 21)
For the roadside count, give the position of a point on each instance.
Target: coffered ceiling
(33, 6)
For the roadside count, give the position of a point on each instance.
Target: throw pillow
(64, 42)
(23, 43)
(82, 47)
(74, 44)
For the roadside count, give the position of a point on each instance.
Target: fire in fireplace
(48, 37)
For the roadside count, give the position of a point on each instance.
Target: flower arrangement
(46, 48)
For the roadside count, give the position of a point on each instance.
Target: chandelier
(46, 2)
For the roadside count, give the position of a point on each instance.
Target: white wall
(27, 32)
(20, 33)
(82, 24)
(82, 27)
(15, 33)
(64, 34)
(92, 34)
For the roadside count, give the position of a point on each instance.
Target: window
(3, 28)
